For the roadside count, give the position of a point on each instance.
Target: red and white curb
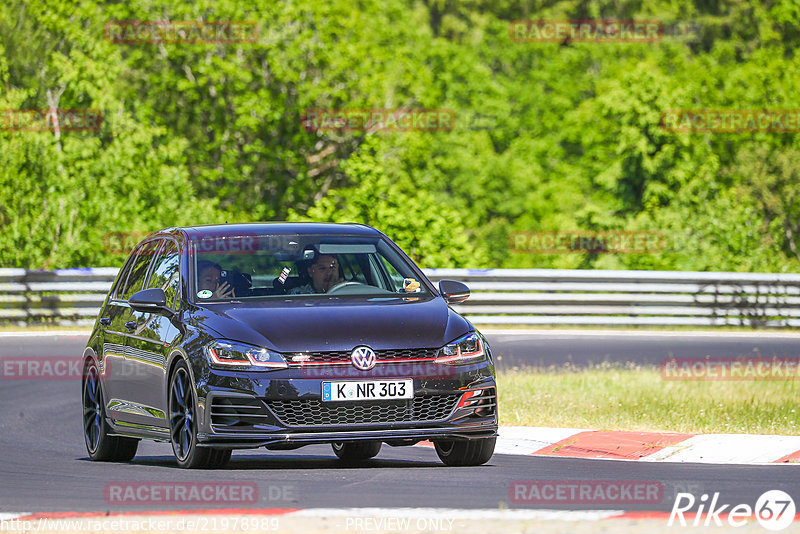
(648, 446)
(436, 518)
(410, 514)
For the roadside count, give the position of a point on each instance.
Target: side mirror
(453, 292)
(149, 300)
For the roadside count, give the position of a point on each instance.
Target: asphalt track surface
(44, 466)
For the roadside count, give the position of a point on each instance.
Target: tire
(356, 450)
(182, 406)
(466, 451)
(99, 444)
(219, 458)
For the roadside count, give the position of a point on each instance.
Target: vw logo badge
(363, 358)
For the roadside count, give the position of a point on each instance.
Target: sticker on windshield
(410, 285)
(204, 294)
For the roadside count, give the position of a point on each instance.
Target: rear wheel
(465, 452)
(100, 446)
(356, 450)
(183, 422)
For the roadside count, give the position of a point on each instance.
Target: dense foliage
(547, 136)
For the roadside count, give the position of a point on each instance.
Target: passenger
(208, 275)
(324, 273)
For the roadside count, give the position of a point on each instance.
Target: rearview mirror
(453, 291)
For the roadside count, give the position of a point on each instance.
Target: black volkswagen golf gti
(281, 335)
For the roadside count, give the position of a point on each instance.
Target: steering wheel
(342, 285)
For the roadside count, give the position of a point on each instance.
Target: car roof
(289, 228)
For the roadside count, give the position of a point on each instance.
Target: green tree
(385, 197)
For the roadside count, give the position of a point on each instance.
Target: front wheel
(357, 450)
(183, 423)
(100, 446)
(466, 451)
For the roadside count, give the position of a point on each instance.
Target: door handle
(105, 321)
(130, 325)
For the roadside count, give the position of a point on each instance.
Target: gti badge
(363, 358)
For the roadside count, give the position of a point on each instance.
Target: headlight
(464, 349)
(230, 355)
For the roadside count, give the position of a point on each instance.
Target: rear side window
(166, 272)
(138, 272)
(123, 277)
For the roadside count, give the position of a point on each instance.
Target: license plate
(368, 390)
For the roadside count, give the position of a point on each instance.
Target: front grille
(343, 356)
(312, 412)
(237, 412)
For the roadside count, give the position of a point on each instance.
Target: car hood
(297, 325)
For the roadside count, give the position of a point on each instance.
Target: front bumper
(238, 410)
(486, 429)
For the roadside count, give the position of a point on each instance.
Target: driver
(324, 273)
(208, 277)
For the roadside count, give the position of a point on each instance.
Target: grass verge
(636, 398)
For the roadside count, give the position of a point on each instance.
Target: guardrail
(663, 298)
(64, 296)
(499, 296)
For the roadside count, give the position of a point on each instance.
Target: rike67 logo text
(774, 510)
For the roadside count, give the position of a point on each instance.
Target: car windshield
(298, 266)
